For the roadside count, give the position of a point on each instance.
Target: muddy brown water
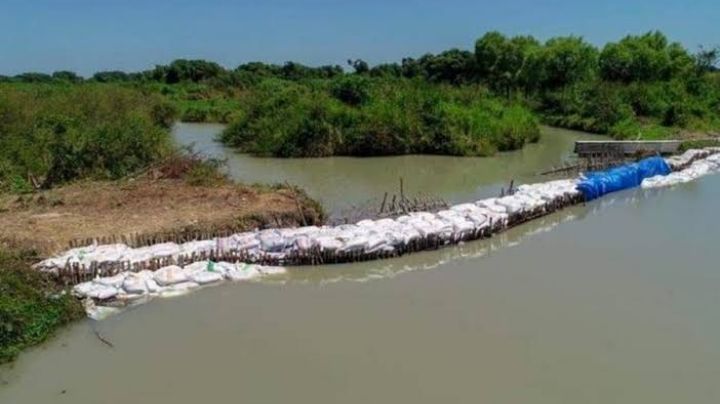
(612, 302)
(341, 183)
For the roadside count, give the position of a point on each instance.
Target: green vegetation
(640, 87)
(31, 306)
(355, 115)
(53, 133)
(456, 102)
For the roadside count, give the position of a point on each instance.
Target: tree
(566, 60)
(451, 66)
(647, 57)
(33, 77)
(386, 70)
(352, 89)
(706, 60)
(110, 76)
(260, 69)
(502, 62)
(192, 70)
(64, 75)
(360, 66)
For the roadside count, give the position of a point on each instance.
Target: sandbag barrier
(363, 241)
(385, 238)
(693, 168)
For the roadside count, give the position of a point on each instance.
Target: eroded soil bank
(49, 221)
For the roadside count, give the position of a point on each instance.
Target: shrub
(395, 116)
(31, 308)
(53, 134)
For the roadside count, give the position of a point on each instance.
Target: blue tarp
(599, 183)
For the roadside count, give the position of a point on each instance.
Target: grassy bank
(31, 305)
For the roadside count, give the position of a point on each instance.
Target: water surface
(342, 182)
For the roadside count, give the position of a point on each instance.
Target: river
(611, 302)
(340, 183)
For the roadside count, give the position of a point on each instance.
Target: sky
(131, 35)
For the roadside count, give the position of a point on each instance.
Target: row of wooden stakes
(75, 273)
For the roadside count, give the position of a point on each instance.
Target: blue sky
(86, 36)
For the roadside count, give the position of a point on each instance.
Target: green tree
(566, 60)
(32, 77)
(112, 76)
(503, 62)
(647, 57)
(64, 75)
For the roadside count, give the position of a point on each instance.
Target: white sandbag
(464, 208)
(242, 272)
(170, 275)
(357, 243)
(328, 243)
(272, 242)
(94, 290)
(203, 278)
(82, 289)
(375, 241)
(152, 286)
(303, 243)
(478, 219)
(114, 281)
(102, 292)
(135, 284)
(194, 267)
(385, 223)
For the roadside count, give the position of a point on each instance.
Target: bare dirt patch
(49, 221)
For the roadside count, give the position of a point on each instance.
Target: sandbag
(170, 275)
(242, 272)
(203, 278)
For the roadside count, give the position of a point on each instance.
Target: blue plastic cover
(599, 183)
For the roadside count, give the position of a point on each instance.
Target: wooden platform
(586, 148)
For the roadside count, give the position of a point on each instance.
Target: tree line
(642, 86)
(504, 63)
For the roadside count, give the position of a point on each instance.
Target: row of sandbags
(365, 237)
(682, 161)
(707, 165)
(129, 287)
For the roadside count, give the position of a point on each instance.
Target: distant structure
(617, 148)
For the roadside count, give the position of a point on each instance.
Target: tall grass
(51, 134)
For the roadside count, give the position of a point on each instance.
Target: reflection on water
(341, 182)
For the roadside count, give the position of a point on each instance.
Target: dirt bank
(145, 209)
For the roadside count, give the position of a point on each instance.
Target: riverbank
(146, 209)
(154, 206)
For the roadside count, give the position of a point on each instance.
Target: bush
(54, 134)
(352, 90)
(30, 307)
